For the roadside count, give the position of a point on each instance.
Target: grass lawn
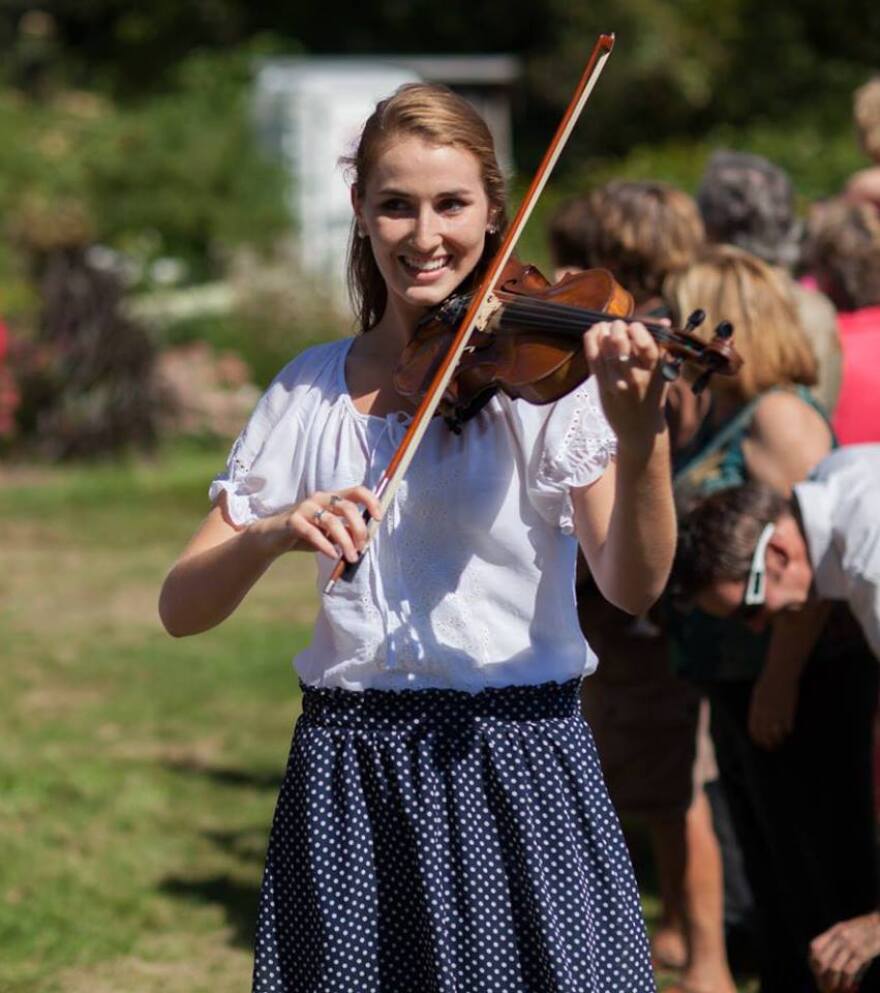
(137, 773)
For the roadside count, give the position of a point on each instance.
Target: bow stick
(480, 303)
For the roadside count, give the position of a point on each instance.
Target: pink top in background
(857, 416)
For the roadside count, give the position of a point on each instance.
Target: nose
(426, 232)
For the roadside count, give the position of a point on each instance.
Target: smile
(425, 265)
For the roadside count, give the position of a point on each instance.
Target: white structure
(310, 111)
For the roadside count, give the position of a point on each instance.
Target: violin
(528, 343)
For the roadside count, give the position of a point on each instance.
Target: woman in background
(844, 253)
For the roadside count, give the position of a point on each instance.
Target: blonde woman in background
(781, 431)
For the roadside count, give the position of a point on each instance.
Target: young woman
(443, 824)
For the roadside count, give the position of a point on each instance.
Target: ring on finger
(318, 514)
(336, 498)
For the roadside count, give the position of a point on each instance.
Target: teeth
(425, 266)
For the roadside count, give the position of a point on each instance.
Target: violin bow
(480, 302)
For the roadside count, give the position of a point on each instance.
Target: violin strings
(566, 318)
(579, 328)
(519, 304)
(525, 316)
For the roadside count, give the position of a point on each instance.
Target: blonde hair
(866, 113)
(640, 231)
(441, 117)
(731, 284)
(844, 252)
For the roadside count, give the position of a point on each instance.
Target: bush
(86, 379)
(278, 311)
(179, 175)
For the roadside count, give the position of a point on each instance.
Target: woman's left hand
(625, 360)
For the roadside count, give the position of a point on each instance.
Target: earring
(359, 231)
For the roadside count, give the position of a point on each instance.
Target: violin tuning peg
(670, 369)
(701, 382)
(695, 320)
(724, 330)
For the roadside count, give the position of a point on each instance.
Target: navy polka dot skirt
(435, 841)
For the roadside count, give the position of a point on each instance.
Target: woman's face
(426, 212)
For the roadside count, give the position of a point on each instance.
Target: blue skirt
(435, 841)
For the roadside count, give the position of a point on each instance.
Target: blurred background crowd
(155, 273)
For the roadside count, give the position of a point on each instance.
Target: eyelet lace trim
(234, 483)
(587, 447)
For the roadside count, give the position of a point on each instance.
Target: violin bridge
(491, 305)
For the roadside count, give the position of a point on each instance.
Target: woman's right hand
(330, 523)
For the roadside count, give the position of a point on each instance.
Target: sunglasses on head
(755, 592)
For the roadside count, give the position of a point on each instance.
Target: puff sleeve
(263, 471)
(568, 443)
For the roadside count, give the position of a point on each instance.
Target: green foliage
(177, 175)
(681, 66)
(819, 160)
(184, 167)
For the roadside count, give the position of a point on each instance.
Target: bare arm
(221, 563)
(786, 439)
(625, 521)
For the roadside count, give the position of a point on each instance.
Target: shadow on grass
(238, 901)
(227, 775)
(247, 845)
(235, 896)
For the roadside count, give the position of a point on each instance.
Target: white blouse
(469, 582)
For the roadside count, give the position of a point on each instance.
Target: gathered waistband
(382, 708)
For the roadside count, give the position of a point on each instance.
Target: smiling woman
(443, 823)
(426, 214)
(441, 128)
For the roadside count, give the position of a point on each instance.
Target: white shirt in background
(840, 510)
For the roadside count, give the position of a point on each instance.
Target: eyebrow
(391, 191)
